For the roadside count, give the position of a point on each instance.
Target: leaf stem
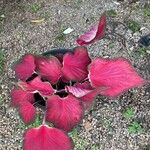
(44, 119)
(70, 83)
(62, 90)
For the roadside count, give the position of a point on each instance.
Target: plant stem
(70, 83)
(56, 86)
(86, 79)
(44, 116)
(44, 119)
(62, 90)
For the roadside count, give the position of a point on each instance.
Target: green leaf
(2, 61)
(129, 113)
(146, 12)
(133, 25)
(135, 127)
(36, 123)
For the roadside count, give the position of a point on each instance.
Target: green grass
(112, 13)
(133, 26)
(36, 123)
(2, 61)
(94, 147)
(93, 18)
(146, 12)
(60, 38)
(128, 113)
(1, 100)
(144, 50)
(34, 8)
(45, 15)
(78, 4)
(111, 45)
(107, 123)
(79, 143)
(134, 128)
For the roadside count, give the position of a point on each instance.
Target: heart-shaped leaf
(49, 68)
(65, 113)
(46, 138)
(75, 65)
(25, 68)
(19, 96)
(116, 74)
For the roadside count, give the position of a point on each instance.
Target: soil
(105, 126)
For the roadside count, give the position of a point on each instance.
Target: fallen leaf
(38, 20)
(88, 126)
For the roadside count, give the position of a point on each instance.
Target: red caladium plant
(64, 85)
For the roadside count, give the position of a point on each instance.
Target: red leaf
(88, 99)
(95, 33)
(75, 65)
(79, 89)
(25, 68)
(45, 138)
(64, 113)
(85, 92)
(49, 68)
(27, 112)
(64, 80)
(18, 97)
(44, 88)
(117, 75)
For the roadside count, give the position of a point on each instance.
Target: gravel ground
(105, 126)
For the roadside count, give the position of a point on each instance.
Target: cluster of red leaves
(109, 77)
